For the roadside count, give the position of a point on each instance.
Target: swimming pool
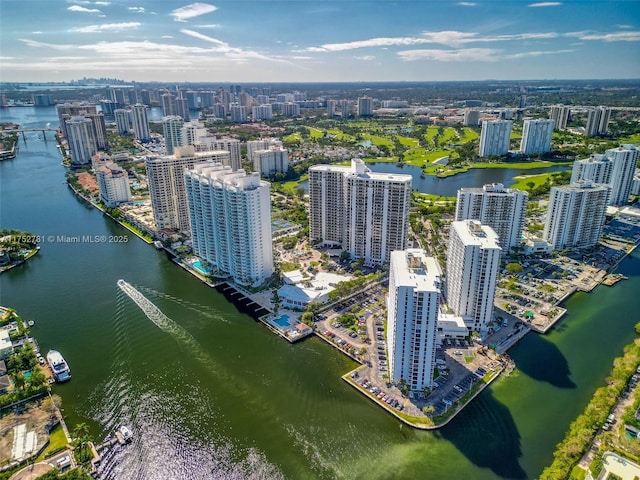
(198, 266)
(282, 321)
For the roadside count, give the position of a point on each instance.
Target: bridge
(24, 131)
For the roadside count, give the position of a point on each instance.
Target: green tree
(514, 267)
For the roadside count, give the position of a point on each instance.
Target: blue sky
(321, 40)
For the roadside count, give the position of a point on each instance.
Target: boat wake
(163, 322)
(204, 310)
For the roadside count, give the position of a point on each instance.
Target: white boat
(59, 367)
(158, 244)
(126, 433)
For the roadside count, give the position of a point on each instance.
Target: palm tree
(18, 380)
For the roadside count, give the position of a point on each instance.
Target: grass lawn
(377, 140)
(407, 141)
(340, 135)
(449, 134)
(431, 134)
(290, 187)
(469, 359)
(315, 132)
(428, 197)
(57, 440)
(632, 139)
(469, 135)
(379, 160)
(293, 138)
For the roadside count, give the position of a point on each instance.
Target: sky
(318, 40)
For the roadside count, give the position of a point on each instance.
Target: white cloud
(365, 57)
(626, 27)
(467, 4)
(167, 36)
(633, 36)
(193, 10)
(544, 4)
(102, 3)
(535, 54)
(136, 9)
(461, 55)
(470, 55)
(114, 27)
(451, 38)
(78, 8)
(201, 36)
(210, 25)
(36, 33)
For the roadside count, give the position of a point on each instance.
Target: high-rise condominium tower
(503, 209)
(473, 260)
(414, 298)
(230, 215)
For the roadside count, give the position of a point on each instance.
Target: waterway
(211, 394)
(449, 186)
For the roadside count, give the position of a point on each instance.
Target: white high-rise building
(75, 109)
(263, 144)
(615, 168)
(331, 108)
(536, 136)
(172, 128)
(290, 109)
(123, 120)
(238, 113)
(495, 137)
(560, 115)
(345, 108)
(113, 183)
(271, 161)
(597, 122)
(473, 260)
(166, 185)
(140, 122)
(365, 106)
(230, 216)
(412, 306)
(503, 209)
(262, 112)
(231, 145)
(372, 208)
(81, 139)
(192, 131)
(471, 118)
(575, 215)
(168, 104)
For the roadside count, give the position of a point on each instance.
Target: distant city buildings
(575, 215)
(614, 168)
(43, 100)
(365, 106)
(123, 120)
(172, 130)
(471, 118)
(238, 113)
(413, 305)
(261, 112)
(473, 260)
(140, 122)
(270, 161)
(495, 137)
(536, 136)
(113, 183)
(364, 212)
(230, 217)
(597, 122)
(502, 209)
(560, 115)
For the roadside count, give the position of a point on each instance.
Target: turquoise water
(282, 321)
(198, 266)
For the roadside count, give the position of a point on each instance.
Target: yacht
(59, 367)
(126, 433)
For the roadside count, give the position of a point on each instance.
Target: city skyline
(328, 41)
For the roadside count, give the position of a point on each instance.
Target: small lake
(449, 186)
